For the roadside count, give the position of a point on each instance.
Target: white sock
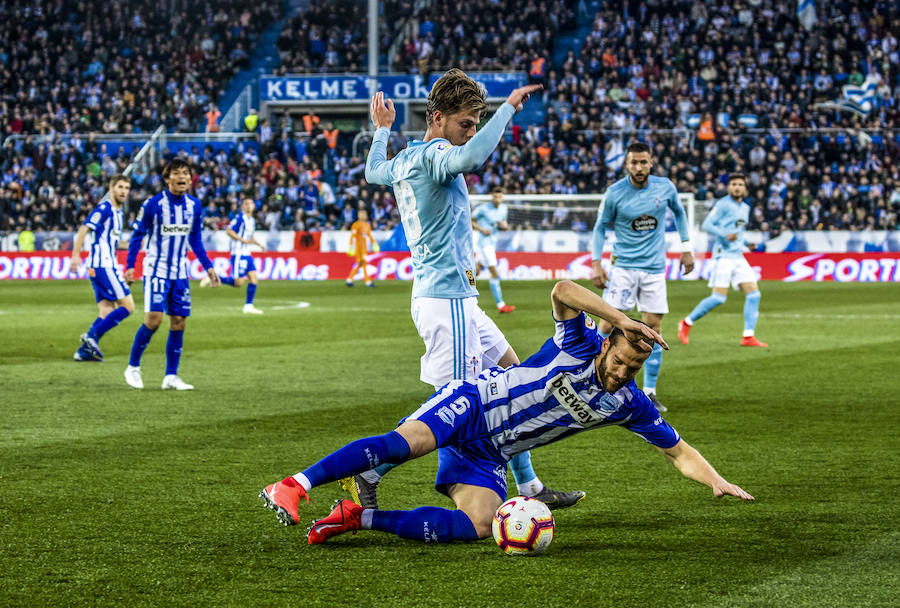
(748, 333)
(365, 520)
(688, 322)
(371, 476)
(501, 304)
(303, 480)
(530, 488)
(649, 391)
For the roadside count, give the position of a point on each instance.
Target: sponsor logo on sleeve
(442, 147)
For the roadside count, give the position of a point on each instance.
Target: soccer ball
(523, 526)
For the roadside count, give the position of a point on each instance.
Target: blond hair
(455, 92)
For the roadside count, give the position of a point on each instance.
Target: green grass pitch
(110, 496)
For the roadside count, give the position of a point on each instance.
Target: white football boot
(174, 382)
(250, 309)
(133, 377)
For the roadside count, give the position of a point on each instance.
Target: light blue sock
(227, 281)
(251, 293)
(651, 368)
(495, 289)
(705, 305)
(521, 467)
(751, 311)
(111, 320)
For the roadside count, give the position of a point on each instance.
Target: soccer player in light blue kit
(635, 208)
(243, 268)
(575, 382)
(171, 220)
(427, 178)
(486, 220)
(114, 301)
(726, 222)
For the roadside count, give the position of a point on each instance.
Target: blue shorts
(465, 451)
(108, 284)
(241, 266)
(171, 296)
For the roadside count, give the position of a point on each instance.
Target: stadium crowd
(643, 71)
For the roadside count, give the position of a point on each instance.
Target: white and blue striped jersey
(170, 223)
(638, 217)
(489, 217)
(728, 216)
(244, 226)
(556, 393)
(434, 204)
(105, 222)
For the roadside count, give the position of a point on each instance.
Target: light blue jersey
(728, 216)
(638, 217)
(106, 223)
(434, 204)
(489, 217)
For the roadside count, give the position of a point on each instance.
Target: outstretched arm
(694, 466)
(569, 299)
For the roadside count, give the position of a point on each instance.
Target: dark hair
(174, 165)
(455, 92)
(497, 190)
(736, 176)
(638, 147)
(617, 333)
(119, 177)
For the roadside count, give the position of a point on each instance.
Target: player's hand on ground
(687, 262)
(599, 276)
(730, 489)
(214, 280)
(642, 336)
(74, 263)
(518, 97)
(382, 111)
(129, 275)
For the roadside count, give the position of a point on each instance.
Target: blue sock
(521, 467)
(173, 351)
(705, 305)
(384, 469)
(605, 335)
(251, 293)
(495, 289)
(651, 367)
(227, 281)
(428, 524)
(358, 456)
(751, 310)
(141, 340)
(92, 331)
(112, 319)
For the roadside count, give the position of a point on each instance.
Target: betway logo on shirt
(562, 389)
(175, 229)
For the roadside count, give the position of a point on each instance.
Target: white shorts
(627, 287)
(730, 271)
(460, 340)
(486, 255)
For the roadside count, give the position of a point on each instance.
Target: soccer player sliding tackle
(577, 381)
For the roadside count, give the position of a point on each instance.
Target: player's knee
(177, 323)
(719, 297)
(153, 321)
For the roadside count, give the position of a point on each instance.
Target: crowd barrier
(316, 266)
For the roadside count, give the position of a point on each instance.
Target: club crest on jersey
(589, 322)
(562, 389)
(645, 223)
(656, 203)
(471, 277)
(441, 147)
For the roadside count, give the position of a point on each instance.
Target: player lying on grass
(576, 381)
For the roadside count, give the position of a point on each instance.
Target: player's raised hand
(382, 111)
(642, 336)
(214, 280)
(721, 489)
(518, 97)
(599, 277)
(687, 262)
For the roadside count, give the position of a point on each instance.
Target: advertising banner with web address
(316, 266)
